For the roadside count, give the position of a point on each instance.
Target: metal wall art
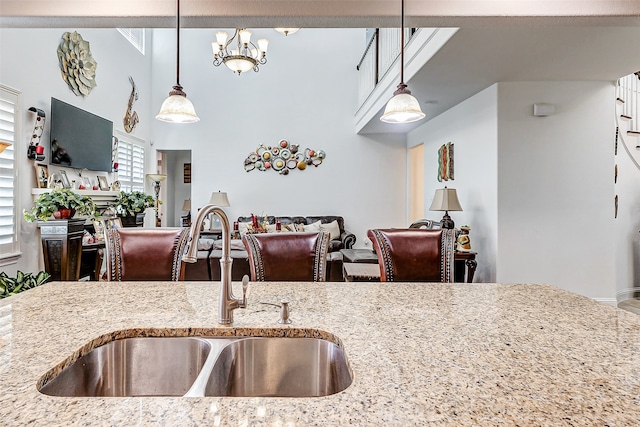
(77, 66)
(282, 158)
(131, 117)
(445, 162)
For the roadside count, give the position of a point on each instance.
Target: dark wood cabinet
(62, 247)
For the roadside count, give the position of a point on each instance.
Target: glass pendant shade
(402, 108)
(287, 31)
(239, 64)
(177, 109)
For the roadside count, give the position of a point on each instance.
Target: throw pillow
(315, 227)
(289, 227)
(298, 227)
(271, 228)
(205, 244)
(332, 228)
(243, 227)
(236, 245)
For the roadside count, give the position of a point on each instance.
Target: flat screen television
(79, 139)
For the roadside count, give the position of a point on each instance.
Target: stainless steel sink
(282, 367)
(206, 366)
(133, 367)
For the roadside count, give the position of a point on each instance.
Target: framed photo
(99, 227)
(187, 173)
(65, 179)
(113, 223)
(102, 183)
(42, 175)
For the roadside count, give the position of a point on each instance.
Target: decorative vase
(136, 220)
(64, 213)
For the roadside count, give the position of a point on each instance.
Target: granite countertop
(440, 354)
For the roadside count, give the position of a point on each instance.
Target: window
(9, 225)
(135, 37)
(130, 163)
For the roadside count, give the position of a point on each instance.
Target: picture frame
(64, 179)
(99, 227)
(113, 223)
(42, 175)
(102, 183)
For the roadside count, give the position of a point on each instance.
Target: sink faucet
(227, 302)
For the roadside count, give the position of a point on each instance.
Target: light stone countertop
(421, 354)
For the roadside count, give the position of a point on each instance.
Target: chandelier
(239, 53)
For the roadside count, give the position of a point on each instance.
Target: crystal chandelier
(239, 53)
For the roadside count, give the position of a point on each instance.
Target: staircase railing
(382, 50)
(629, 98)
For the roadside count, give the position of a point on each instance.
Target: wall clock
(77, 66)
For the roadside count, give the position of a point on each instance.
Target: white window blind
(8, 206)
(130, 165)
(135, 37)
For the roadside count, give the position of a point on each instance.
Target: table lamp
(218, 199)
(186, 206)
(446, 200)
(157, 179)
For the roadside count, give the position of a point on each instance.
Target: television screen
(79, 139)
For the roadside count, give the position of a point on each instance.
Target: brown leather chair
(145, 253)
(414, 255)
(292, 257)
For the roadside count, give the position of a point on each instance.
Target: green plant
(22, 282)
(129, 204)
(47, 203)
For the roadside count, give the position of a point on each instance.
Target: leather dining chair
(414, 255)
(134, 254)
(290, 257)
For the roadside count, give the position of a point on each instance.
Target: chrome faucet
(227, 302)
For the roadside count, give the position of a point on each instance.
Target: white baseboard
(610, 301)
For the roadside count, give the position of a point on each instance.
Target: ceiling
(498, 40)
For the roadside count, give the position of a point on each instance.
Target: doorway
(415, 183)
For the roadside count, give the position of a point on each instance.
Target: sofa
(209, 251)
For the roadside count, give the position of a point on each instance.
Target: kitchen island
(420, 354)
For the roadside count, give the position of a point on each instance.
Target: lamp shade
(186, 205)
(445, 199)
(287, 31)
(402, 108)
(219, 199)
(177, 109)
(156, 177)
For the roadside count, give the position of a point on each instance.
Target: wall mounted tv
(79, 139)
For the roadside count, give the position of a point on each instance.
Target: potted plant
(61, 204)
(130, 207)
(23, 281)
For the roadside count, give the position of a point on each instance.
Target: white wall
(30, 64)
(306, 93)
(472, 127)
(555, 186)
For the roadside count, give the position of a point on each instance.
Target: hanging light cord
(178, 45)
(402, 45)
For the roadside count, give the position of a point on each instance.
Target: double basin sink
(206, 366)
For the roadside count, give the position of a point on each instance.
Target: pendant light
(177, 108)
(403, 107)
